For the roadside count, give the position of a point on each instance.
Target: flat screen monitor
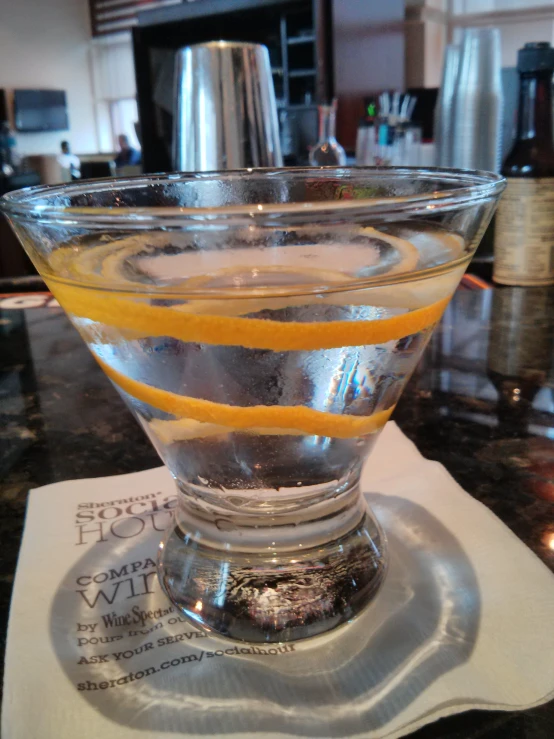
(40, 110)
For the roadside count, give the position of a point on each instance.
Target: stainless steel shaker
(477, 102)
(225, 115)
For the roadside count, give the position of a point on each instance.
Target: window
(124, 118)
(113, 73)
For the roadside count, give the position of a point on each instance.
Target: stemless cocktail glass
(261, 325)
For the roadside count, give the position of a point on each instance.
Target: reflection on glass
(520, 349)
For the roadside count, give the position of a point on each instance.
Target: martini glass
(261, 325)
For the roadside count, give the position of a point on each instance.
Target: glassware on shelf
(327, 152)
(387, 137)
(365, 137)
(261, 326)
(476, 124)
(443, 114)
(397, 145)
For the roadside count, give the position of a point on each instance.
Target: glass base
(278, 583)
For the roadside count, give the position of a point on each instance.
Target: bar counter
(481, 402)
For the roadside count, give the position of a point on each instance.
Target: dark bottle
(524, 232)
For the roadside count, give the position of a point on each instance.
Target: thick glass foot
(274, 583)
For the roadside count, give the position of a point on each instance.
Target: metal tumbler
(477, 102)
(225, 114)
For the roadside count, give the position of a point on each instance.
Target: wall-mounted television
(40, 110)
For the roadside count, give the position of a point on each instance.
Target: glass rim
(469, 187)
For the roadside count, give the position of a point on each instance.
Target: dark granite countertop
(481, 402)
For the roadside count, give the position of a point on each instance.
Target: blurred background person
(69, 161)
(127, 155)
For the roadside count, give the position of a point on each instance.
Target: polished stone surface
(481, 402)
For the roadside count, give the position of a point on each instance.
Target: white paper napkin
(464, 620)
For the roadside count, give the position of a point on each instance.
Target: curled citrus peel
(128, 316)
(252, 333)
(131, 316)
(285, 418)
